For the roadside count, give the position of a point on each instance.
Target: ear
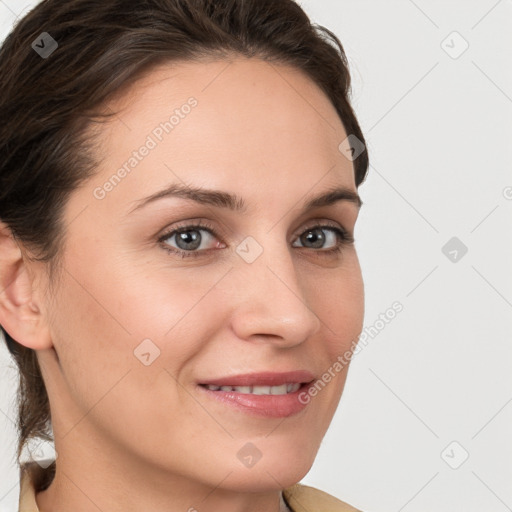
(20, 313)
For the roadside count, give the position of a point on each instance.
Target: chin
(271, 473)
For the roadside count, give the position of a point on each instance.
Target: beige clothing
(300, 498)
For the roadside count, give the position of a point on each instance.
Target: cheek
(105, 314)
(98, 328)
(339, 303)
(90, 339)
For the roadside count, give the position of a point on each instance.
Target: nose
(273, 304)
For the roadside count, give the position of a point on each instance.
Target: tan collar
(27, 494)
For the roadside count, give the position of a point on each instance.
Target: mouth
(272, 395)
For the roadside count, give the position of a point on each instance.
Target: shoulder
(303, 498)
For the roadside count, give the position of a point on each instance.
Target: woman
(181, 289)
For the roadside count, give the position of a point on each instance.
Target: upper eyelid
(206, 225)
(186, 227)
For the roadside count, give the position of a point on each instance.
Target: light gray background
(439, 132)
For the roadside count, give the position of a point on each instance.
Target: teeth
(261, 390)
(283, 389)
(291, 388)
(279, 390)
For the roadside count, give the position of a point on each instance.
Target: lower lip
(270, 406)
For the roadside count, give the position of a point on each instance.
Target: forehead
(229, 82)
(221, 123)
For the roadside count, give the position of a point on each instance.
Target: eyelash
(343, 237)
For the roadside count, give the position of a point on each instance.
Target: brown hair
(48, 104)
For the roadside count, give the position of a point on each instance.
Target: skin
(132, 437)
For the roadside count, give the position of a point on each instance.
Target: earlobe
(20, 313)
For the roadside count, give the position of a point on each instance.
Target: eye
(190, 240)
(329, 238)
(194, 240)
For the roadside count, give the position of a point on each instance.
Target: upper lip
(262, 379)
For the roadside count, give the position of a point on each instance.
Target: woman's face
(143, 318)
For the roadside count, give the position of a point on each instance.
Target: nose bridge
(274, 303)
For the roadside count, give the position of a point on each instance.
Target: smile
(264, 394)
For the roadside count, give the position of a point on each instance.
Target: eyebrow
(221, 199)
